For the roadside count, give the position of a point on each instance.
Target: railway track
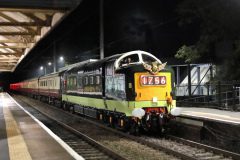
(193, 149)
(204, 147)
(179, 148)
(88, 148)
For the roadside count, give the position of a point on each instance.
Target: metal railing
(213, 95)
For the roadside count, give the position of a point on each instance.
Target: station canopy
(23, 23)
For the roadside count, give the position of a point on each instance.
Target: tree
(218, 21)
(188, 53)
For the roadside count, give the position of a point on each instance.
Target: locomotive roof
(95, 64)
(99, 63)
(87, 66)
(51, 75)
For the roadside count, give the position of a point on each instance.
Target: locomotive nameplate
(146, 80)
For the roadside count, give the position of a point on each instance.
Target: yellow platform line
(17, 147)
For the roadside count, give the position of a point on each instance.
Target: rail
(140, 140)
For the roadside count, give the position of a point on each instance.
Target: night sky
(128, 25)
(151, 26)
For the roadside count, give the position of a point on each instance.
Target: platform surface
(211, 114)
(24, 138)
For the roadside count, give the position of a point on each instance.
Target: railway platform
(208, 114)
(23, 137)
(218, 128)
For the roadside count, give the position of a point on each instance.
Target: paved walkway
(22, 137)
(213, 114)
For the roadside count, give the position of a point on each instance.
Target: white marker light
(155, 99)
(176, 111)
(138, 112)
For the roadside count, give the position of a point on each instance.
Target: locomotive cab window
(148, 59)
(131, 59)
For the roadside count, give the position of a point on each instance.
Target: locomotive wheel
(71, 109)
(110, 120)
(134, 129)
(65, 106)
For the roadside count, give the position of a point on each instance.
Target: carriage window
(148, 59)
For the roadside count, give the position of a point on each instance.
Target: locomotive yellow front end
(149, 91)
(154, 96)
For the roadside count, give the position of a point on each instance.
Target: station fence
(221, 95)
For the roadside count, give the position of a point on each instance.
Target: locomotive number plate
(152, 80)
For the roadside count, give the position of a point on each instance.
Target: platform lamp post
(43, 69)
(101, 30)
(54, 57)
(61, 62)
(49, 65)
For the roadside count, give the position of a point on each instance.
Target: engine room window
(109, 69)
(68, 82)
(74, 81)
(115, 86)
(97, 79)
(91, 79)
(86, 80)
(80, 85)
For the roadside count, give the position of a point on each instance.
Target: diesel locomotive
(131, 91)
